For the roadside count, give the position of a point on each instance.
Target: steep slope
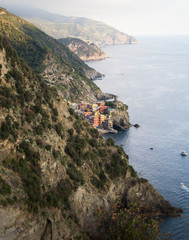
(56, 171)
(49, 57)
(86, 51)
(60, 26)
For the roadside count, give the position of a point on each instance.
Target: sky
(135, 17)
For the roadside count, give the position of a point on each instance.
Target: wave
(184, 187)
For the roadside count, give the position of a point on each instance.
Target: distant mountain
(86, 51)
(56, 63)
(59, 26)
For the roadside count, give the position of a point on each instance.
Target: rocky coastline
(56, 169)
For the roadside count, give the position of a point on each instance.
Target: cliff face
(55, 169)
(120, 117)
(131, 190)
(85, 203)
(86, 51)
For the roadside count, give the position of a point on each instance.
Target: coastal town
(99, 114)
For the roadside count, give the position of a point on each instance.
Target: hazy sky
(136, 17)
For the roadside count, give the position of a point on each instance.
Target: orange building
(95, 121)
(88, 114)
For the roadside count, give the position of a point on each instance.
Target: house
(102, 109)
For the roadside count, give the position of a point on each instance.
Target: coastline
(165, 135)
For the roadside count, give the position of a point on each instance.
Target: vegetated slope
(86, 51)
(60, 26)
(56, 171)
(49, 57)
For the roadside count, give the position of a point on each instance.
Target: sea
(152, 78)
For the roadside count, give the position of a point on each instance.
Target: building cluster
(98, 115)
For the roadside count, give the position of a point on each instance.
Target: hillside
(86, 51)
(50, 58)
(59, 26)
(56, 171)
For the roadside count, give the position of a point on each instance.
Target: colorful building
(93, 112)
(102, 109)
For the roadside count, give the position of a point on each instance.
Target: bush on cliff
(129, 222)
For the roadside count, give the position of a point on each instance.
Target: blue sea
(152, 78)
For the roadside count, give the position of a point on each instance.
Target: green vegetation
(129, 223)
(39, 51)
(82, 49)
(52, 150)
(110, 142)
(117, 166)
(9, 127)
(75, 174)
(110, 104)
(4, 187)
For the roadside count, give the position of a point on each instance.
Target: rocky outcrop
(104, 96)
(86, 203)
(145, 194)
(120, 117)
(85, 50)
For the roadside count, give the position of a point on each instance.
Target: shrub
(4, 187)
(93, 132)
(102, 177)
(64, 189)
(59, 129)
(39, 142)
(70, 150)
(129, 222)
(75, 174)
(48, 147)
(39, 129)
(93, 142)
(4, 131)
(96, 182)
(71, 111)
(78, 127)
(117, 166)
(110, 142)
(133, 173)
(56, 154)
(55, 112)
(71, 131)
(143, 180)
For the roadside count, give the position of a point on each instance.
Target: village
(98, 114)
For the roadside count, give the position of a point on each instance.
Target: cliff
(55, 169)
(120, 117)
(59, 26)
(86, 51)
(54, 61)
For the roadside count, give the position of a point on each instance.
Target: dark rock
(104, 96)
(136, 125)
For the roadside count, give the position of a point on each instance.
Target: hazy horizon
(149, 17)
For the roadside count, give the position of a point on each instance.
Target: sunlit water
(152, 77)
